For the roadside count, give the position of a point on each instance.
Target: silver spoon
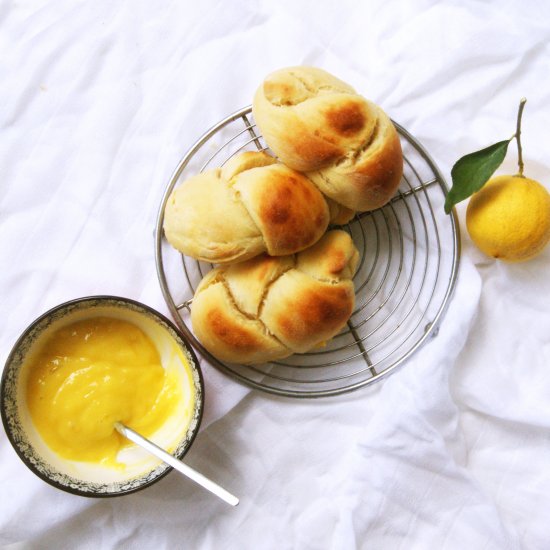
(149, 446)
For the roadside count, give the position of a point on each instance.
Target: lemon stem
(518, 136)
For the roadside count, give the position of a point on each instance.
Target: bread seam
(364, 146)
(214, 281)
(268, 287)
(247, 315)
(237, 195)
(314, 91)
(237, 255)
(329, 184)
(326, 280)
(323, 280)
(232, 299)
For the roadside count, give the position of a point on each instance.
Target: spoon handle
(176, 464)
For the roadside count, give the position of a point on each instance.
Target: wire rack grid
(409, 251)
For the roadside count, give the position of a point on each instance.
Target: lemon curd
(89, 375)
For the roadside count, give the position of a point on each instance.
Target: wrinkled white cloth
(100, 100)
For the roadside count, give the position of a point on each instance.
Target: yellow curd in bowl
(90, 374)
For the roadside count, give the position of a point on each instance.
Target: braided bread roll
(268, 308)
(319, 125)
(251, 205)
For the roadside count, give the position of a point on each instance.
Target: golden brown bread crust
(245, 161)
(268, 308)
(248, 281)
(317, 124)
(331, 259)
(250, 206)
(339, 214)
(195, 221)
(297, 84)
(221, 327)
(287, 208)
(302, 311)
(317, 132)
(370, 178)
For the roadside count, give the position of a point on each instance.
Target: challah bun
(268, 308)
(252, 205)
(319, 125)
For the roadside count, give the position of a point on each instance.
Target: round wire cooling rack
(409, 251)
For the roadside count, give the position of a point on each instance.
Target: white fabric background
(98, 102)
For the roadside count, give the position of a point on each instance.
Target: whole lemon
(509, 218)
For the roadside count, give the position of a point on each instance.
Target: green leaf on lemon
(471, 172)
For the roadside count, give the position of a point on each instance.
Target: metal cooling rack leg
(364, 353)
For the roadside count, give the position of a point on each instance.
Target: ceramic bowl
(140, 469)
